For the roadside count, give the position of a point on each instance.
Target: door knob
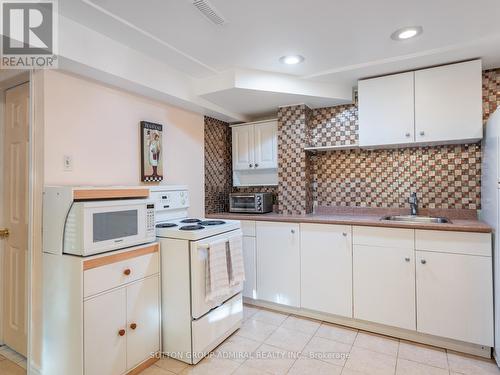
(4, 233)
(133, 326)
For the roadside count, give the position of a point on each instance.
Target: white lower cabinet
(326, 268)
(455, 296)
(250, 259)
(105, 350)
(278, 263)
(384, 285)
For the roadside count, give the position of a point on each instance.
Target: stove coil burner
(166, 225)
(191, 227)
(212, 222)
(189, 221)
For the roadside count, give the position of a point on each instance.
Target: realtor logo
(28, 34)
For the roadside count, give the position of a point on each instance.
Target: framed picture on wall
(151, 152)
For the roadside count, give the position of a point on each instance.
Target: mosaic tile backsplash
(443, 176)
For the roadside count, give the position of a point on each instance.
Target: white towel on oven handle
(236, 266)
(216, 273)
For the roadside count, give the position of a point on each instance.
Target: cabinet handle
(250, 165)
(121, 332)
(127, 272)
(423, 261)
(256, 165)
(407, 259)
(344, 234)
(407, 135)
(292, 231)
(422, 133)
(133, 326)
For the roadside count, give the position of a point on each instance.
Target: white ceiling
(342, 41)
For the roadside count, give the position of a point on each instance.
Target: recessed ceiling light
(292, 59)
(407, 33)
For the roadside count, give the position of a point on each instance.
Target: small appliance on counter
(92, 220)
(251, 203)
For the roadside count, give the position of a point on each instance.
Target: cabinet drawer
(108, 272)
(453, 242)
(383, 237)
(248, 227)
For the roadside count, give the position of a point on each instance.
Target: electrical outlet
(68, 163)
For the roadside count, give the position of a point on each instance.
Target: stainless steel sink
(417, 219)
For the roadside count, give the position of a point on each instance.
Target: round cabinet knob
(344, 234)
(292, 231)
(423, 261)
(422, 133)
(121, 332)
(133, 326)
(127, 272)
(407, 259)
(250, 165)
(256, 165)
(407, 135)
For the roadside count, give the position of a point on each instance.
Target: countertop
(461, 220)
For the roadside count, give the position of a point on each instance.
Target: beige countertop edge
(458, 225)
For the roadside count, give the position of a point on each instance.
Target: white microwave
(93, 227)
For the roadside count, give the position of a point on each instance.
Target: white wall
(98, 126)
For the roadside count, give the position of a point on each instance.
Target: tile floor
(275, 343)
(11, 363)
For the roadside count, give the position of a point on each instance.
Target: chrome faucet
(413, 204)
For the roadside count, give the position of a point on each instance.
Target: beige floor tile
(288, 339)
(405, 367)
(256, 330)
(249, 311)
(337, 333)
(369, 362)
(172, 365)
(237, 348)
(327, 350)
(8, 367)
(428, 355)
(212, 366)
(471, 365)
(377, 343)
(309, 366)
(301, 324)
(271, 360)
(270, 317)
(247, 370)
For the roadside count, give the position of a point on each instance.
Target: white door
(386, 110)
(384, 285)
(15, 177)
(243, 147)
(249, 259)
(143, 320)
(266, 145)
(326, 268)
(105, 333)
(278, 263)
(454, 296)
(448, 103)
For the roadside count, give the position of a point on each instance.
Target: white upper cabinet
(243, 147)
(448, 103)
(255, 146)
(431, 106)
(386, 110)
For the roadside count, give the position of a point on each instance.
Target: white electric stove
(191, 325)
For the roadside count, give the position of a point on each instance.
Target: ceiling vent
(209, 11)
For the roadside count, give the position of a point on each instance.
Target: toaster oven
(257, 203)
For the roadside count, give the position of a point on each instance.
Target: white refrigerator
(490, 207)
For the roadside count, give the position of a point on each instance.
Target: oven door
(243, 203)
(199, 259)
(111, 225)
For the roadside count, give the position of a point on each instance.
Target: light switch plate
(68, 163)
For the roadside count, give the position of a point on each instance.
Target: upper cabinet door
(243, 147)
(448, 103)
(266, 145)
(386, 110)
